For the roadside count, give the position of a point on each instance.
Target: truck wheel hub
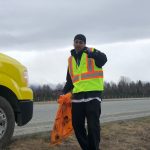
(3, 123)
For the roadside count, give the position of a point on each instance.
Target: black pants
(88, 140)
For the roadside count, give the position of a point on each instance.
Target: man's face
(78, 44)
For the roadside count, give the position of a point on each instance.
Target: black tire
(8, 113)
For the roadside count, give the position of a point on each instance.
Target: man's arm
(68, 85)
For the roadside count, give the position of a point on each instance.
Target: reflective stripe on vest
(75, 78)
(91, 73)
(96, 74)
(90, 63)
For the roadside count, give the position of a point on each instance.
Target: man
(85, 80)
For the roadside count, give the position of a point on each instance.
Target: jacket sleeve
(99, 57)
(68, 85)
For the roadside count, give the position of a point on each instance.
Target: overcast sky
(39, 33)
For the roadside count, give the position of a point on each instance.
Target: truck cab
(16, 98)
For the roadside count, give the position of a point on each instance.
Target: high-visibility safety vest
(87, 76)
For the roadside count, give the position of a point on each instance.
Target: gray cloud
(39, 25)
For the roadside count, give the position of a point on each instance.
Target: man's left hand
(88, 52)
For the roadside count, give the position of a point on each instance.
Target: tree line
(127, 89)
(123, 89)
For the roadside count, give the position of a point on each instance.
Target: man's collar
(74, 52)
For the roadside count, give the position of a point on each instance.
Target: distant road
(44, 114)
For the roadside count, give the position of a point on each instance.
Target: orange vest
(87, 76)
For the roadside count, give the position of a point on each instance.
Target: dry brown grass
(127, 135)
(120, 135)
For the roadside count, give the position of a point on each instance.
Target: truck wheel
(7, 122)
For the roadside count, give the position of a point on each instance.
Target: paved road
(43, 115)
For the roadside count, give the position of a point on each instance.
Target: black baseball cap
(80, 37)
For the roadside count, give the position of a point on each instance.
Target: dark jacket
(100, 59)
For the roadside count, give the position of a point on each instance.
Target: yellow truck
(16, 98)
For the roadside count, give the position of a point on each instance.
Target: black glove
(88, 52)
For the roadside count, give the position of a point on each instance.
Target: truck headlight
(25, 75)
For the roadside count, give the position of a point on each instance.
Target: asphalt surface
(44, 114)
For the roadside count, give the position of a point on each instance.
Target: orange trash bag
(62, 127)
